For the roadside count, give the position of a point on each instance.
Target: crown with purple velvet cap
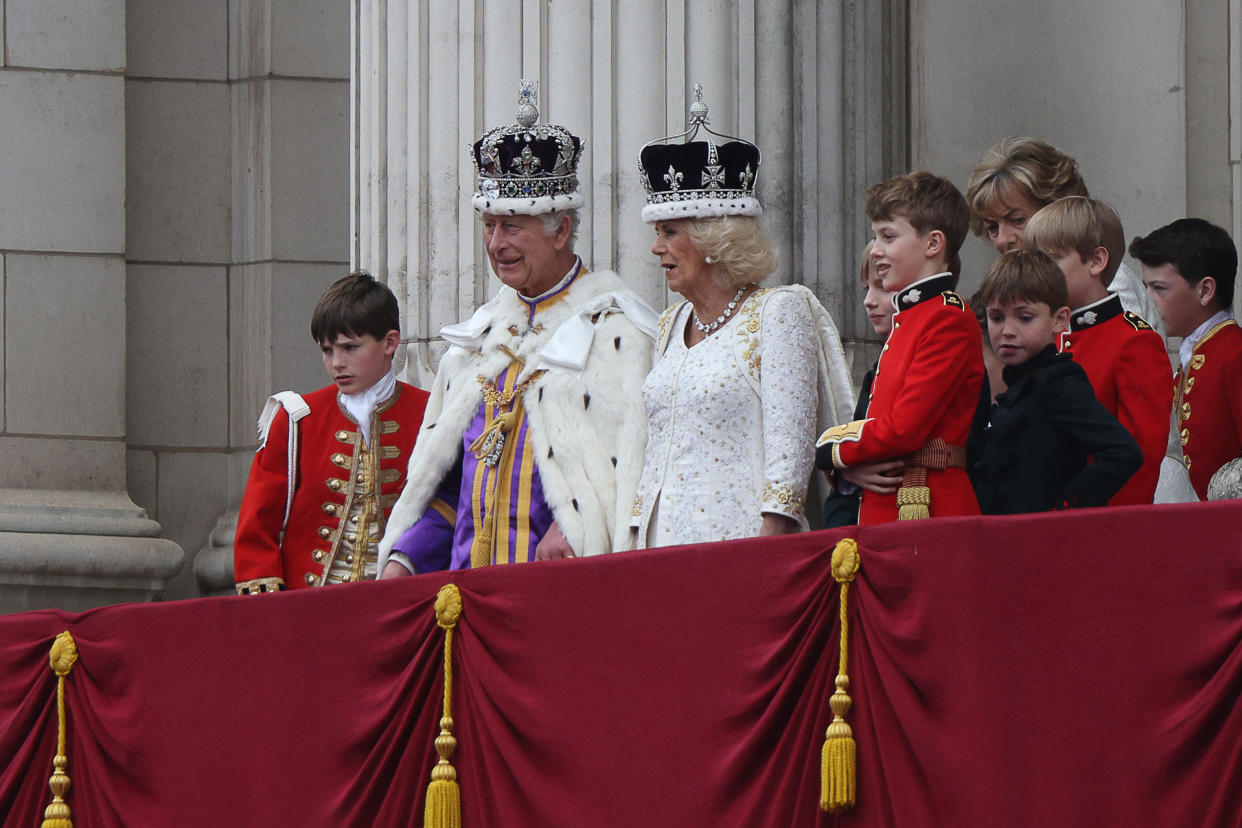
(527, 168)
(699, 179)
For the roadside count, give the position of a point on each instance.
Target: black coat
(1032, 454)
(842, 509)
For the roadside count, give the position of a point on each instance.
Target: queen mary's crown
(699, 179)
(527, 168)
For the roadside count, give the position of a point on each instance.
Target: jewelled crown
(527, 167)
(698, 179)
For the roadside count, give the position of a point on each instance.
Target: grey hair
(551, 221)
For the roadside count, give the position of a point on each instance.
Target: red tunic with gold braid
(1129, 371)
(1209, 404)
(927, 386)
(341, 480)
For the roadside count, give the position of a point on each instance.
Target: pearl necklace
(720, 320)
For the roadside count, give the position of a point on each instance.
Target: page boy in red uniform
(1123, 356)
(1189, 268)
(930, 373)
(331, 464)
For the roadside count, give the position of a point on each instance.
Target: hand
(880, 477)
(553, 545)
(774, 524)
(394, 570)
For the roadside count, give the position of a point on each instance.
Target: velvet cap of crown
(527, 168)
(699, 179)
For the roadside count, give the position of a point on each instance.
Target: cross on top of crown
(698, 109)
(528, 102)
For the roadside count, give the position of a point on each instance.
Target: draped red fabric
(1072, 669)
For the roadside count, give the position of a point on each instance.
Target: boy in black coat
(1048, 442)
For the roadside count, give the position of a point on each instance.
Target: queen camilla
(743, 374)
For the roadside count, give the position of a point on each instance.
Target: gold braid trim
(914, 496)
(63, 656)
(443, 807)
(256, 586)
(838, 773)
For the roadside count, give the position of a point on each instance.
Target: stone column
(428, 77)
(70, 536)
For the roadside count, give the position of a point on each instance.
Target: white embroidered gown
(731, 424)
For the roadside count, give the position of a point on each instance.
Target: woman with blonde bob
(743, 375)
(1013, 181)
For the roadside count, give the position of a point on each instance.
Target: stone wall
(238, 217)
(1138, 91)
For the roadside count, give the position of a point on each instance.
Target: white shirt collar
(362, 405)
(1187, 348)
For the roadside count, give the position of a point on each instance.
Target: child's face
(901, 255)
(1180, 303)
(1020, 330)
(878, 303)
(355, 363)
(1006, 224)
(1082, 276)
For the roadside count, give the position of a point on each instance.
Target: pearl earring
(709, 260)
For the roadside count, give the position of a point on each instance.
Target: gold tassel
(63, 656)
(485, 443)
(443, 808)
(838, 778)
(913, 503)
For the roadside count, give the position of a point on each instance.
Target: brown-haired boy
(1123, 357)
(331, 464)
(1032, 455)
(930, 372)
(1189, 268)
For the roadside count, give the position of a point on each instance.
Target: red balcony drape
(1071, 669)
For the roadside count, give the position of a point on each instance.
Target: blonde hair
(866, 265)
(1020, 168)
(1080, 224)
(737, 246)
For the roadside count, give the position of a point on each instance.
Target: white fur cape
(587, 425)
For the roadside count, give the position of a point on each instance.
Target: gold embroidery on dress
(785, 495)
(666, 319)
(748, 329)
